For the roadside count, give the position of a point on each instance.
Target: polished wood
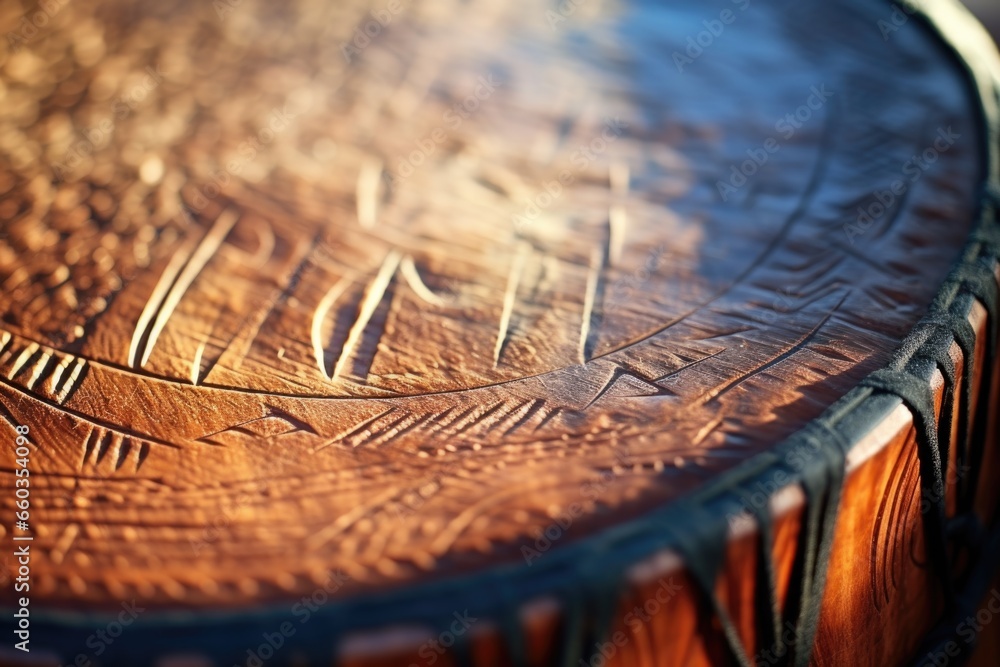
(280, 301)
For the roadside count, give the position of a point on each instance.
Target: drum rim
(618, 547)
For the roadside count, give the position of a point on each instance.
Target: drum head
(371, 299)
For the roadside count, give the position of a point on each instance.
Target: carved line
(373, 297)
(820, 167)
(41, 365)
(73, 381)
(479, 419)
(510, 297)
(22, 360)
(58, 373)
(586, 320)
(367, 192)
(802, 344)
(164, 308)
(619, 373)
(398, 428)
(87, 419)
(355, 430)
(617, 218)
(196, 362)
(409, 271)
(319, 316)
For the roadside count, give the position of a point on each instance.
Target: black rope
(461, 650)
(936, 349)
(976, 588)
(965, 337)
(765, 591)
(511, 627)
(979, 280)
(822, 484)
(699, 535)
(991, 191)
(695, 526)
(916, 393)
(573, 631)
(605, 592)
(593, 603)
(982, 285)
(701, 542)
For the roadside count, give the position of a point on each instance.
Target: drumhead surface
(394, 293)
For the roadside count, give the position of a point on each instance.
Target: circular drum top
(386, 289)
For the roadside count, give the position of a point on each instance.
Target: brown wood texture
(881, 598)
(276, 303)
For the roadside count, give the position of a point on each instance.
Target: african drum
(499, 333)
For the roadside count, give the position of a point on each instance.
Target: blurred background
(988, 12)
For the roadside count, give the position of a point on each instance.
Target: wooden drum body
(494, 333)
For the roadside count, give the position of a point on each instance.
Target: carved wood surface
(390, 309)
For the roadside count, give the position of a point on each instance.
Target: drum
(498, 333)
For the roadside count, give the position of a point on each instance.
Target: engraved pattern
(330, 334)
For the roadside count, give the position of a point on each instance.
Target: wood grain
(289, 312)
